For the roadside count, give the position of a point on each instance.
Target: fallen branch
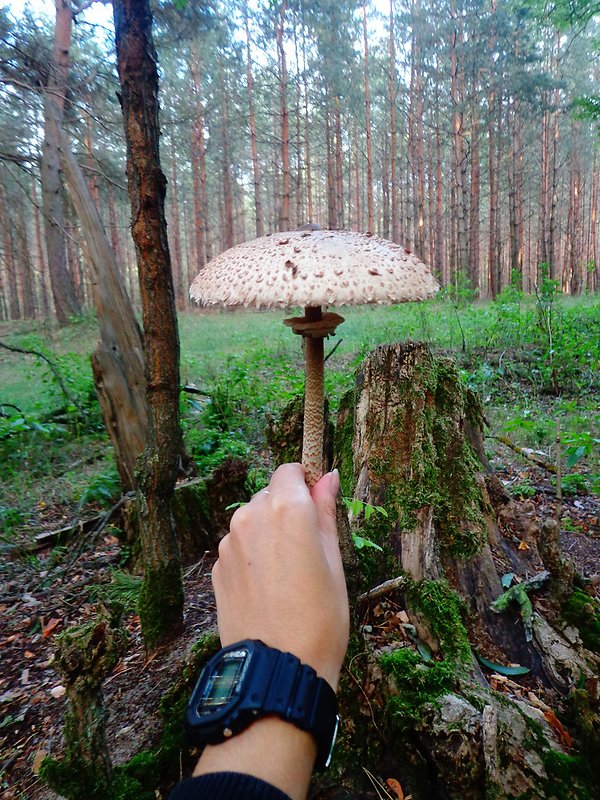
(53, 369)
(190, 389)
(526, 452)
(384, 588)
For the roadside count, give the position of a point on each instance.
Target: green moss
(423, 459)
(582, 611)
(161, 604)
(343, 438)
(568, 776)
(75, 781)
(418, 683)
(190, 504)
(442, 609)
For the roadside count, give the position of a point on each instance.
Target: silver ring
(265, 491)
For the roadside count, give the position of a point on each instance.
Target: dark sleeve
(223, 785)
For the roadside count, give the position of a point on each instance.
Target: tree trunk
(409, 439)
(161, 599)
(286, 178)
(370, 208)
(14, 305)
(227, 239)
(29, 304)
(199, 171)
(63, 292)
(41, 261)
(258, 211)
(118, 362)
(180, 290)
(393, 133)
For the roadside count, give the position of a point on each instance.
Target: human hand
(279, 576)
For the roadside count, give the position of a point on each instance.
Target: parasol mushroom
(313, 269)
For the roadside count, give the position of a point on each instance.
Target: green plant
(357, 507)
(103, 489)
(522, 490)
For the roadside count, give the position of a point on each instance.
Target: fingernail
(334, 481)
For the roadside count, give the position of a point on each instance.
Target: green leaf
(501, 669)
(234, 505)
(360, 542)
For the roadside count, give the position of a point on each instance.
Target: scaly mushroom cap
(313, 268)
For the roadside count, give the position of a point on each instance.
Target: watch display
(223, 681)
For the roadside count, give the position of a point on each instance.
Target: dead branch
(53, 368)
(525, 452)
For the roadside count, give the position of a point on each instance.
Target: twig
(53, 369)
(332, 351)
(194, 390)
(525, 452)
(383, 589)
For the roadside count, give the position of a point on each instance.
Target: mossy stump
(85, 657)
(409, 438)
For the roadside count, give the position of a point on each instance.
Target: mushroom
(313, 269)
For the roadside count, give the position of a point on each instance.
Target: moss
(75, 781)
(422, 458)
(443, 609)
(582, 611)
(568, 776)
(190, 504)
(418, 682)
(343, 438)
(161, 604)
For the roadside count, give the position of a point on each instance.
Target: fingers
(324, 494)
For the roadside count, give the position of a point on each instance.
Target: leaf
(234, 505)
(360, 542)
(37, 760)
(369, 510)
(507, 579)
(559, 728)
(424, 650)
(501, 669)
(48, 630)
(395, 787)
(523, 546)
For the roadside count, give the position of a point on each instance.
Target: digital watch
(248, 680)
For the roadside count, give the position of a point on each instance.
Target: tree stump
(409, 439)
(85, 657)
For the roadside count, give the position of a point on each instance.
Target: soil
(41, 596)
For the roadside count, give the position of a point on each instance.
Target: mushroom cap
(313, 268)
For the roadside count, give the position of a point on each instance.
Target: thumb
(324, 494)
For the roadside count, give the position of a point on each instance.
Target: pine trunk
(161, 600)
(258, 210)
(370, 207)
(66, 303)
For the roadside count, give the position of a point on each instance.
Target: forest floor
(50, 485)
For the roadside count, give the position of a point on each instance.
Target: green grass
(250, 365)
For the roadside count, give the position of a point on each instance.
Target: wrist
(270, 749)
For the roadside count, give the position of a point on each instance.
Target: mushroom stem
(314, 396)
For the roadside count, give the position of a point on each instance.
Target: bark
(199, 171)
(409, 438)
(228, 239)
(393, 133)
(461, 263)
(41, 261)
(180, 289)
(258, 211)
(339, 168)
(118, 361)
(474, 222)
(419, 161)
(161, 600)
(14, 305)
(29, 304)
(370, 207)
(63, 291)
(286, 178)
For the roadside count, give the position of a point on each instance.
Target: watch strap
(298, 695)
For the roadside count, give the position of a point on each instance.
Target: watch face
(223, 681)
